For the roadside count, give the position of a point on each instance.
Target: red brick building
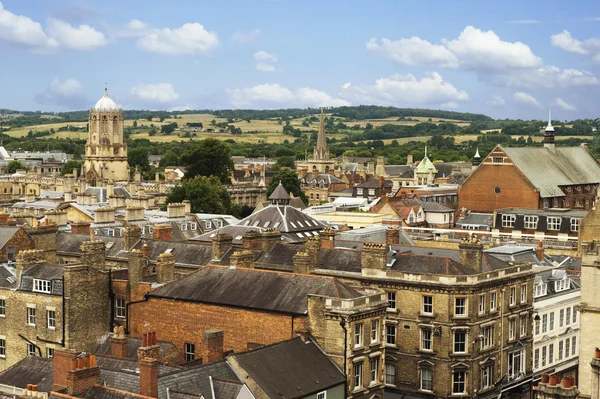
(532, 178)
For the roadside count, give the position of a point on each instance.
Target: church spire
(321, 152)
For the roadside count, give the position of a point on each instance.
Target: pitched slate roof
(6, 233)
(255, 289)
(225, 389)
(547, 170)
(103, 392)
(31, 370)
(71, 242)
(196, 379)
(279, 193)
(290, 369)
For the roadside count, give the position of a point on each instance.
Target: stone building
(105, 149)
(320, 163)
(51, 306)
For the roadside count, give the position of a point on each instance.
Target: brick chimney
(3, 219)
(270, 237)
(313, 248)
(82, 375)
(80, 228)
(302, 263)
(165, 268)
(471, 251)
(27, 258)
(93, 253)
(221, 243)
(252, 240)
(328, 238)
(118, 343)
(134, 213)
(539, 251)
(373, 258)
(242, 259)
(131, 235)
(212, 343)
(62, 364)
(392, 235)
(135, 266)
(148, 377)
(149, 348)
(162, 231)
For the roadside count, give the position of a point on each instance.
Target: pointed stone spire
(321, 152)
(549, 128)
(476, 159)
(477, 153)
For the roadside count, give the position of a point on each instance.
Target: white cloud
(137, 25)
(545, 77)
(406, 89)
(23, 31)
(449, 105)
(414, 51)
(346, 85)
(496, 101)
(568, 43)
(264, 56)
(272, 93)
(263, 66)
(563, 104)
(67, 93)
(265, 61)
(189, 39)
(485, 51)
(155, 93)
(245, 37)
(83, 37)
(526, 99)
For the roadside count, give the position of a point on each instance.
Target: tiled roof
(31, 370)
(280, 292)
(291, 369)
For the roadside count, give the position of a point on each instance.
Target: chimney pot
(144, 340)
(73, 364)
(79, 363)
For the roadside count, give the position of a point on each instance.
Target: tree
(170, 158)
(138, 157)
(169, 128)
(69, 167)
(284, 162)
(134, 123)
(13, 166)
(152, 131)
(210, 157)
(206, 195)
(290, 182)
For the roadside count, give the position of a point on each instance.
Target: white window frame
(427, 302)
(508, 220)
(357, 371)
(512, 329)
(359, 191)
(30, 349)
(358, 335)
(390, 373)
(553, 222)
(3, 347)
(530, 222)
(426, 372)
(463, 342)
(31, 316)
(487, 376)
(492, 301)
(515, 372)
(512, 297)
(371, 191)
(523, 293)
(488, 337)
(49, 352)
(426, 339)
(481, 304)
(193, 226)
(458, 383)
(51, 319)
(2, 307)
(391, 298)
(374, 369)
(120, 307)
(540, 290)
(322, 395)
(374, 331)
(523, 325)
(43, 286)
(574, 225)
(460, 310)
(389, 337)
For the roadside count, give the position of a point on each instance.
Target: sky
(506, 59)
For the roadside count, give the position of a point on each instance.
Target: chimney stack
(118, 343)
(148, 377)
(539, 251)
(82, 374)
(471, 251)
(373, 258)
(165, 268)
(162, 231)
(252, 240)
(221, 244)
(213, 346)
(131, 235)
(80, 228)
(392, 235)
(327, 238)
(242, 259)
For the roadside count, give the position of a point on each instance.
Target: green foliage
(13, 166)
(290, 182)
(168, 128)
(169, 158)
(284, 162)
(210, 157)
(206, 195)
(138, 157)
(69, 166)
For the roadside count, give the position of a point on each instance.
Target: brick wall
(477, 192)
(185, 322)
(20, 240)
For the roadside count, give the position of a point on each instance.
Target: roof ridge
(121, 391)
(283, 273)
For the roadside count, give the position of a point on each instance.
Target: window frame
(523, 293)
(49, 352)
(523, 325)
(357, 371)
(358, 335)
(374, 331)
(530, 222)
(3, 347)
(423, 372)
(392, 376)
(120, 309)
(482, 304)
(189, 351)
(488, 337)
(553, 223)
(389, 326)
(31, 316)
(426, 339)
(374, 371)
(512, 296)
(30, 349)
(425, 305)
(512, 329)
(463, 307)
(487, 376)
(455, 342)
(391, 298)
(493, 298)
(51, 319)
(457, 383)
(42, 286)
(508, 220)
(2, 307)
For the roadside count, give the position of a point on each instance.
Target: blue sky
(507, 59)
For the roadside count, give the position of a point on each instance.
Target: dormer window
(540, 289)
(562, 284)
(41, 285)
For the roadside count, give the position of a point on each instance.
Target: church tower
(321, 153)
(105, 149)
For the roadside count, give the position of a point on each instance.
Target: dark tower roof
(279, 196)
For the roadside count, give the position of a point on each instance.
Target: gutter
(38, 348)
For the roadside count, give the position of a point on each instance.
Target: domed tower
(105, 149)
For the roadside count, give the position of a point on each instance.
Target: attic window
(109, 245)
(540, 290)
(276, 225)
(41, 285)
(562, 284)
(497, 160)
(267, 223)
(300, 224)
(299, 234)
